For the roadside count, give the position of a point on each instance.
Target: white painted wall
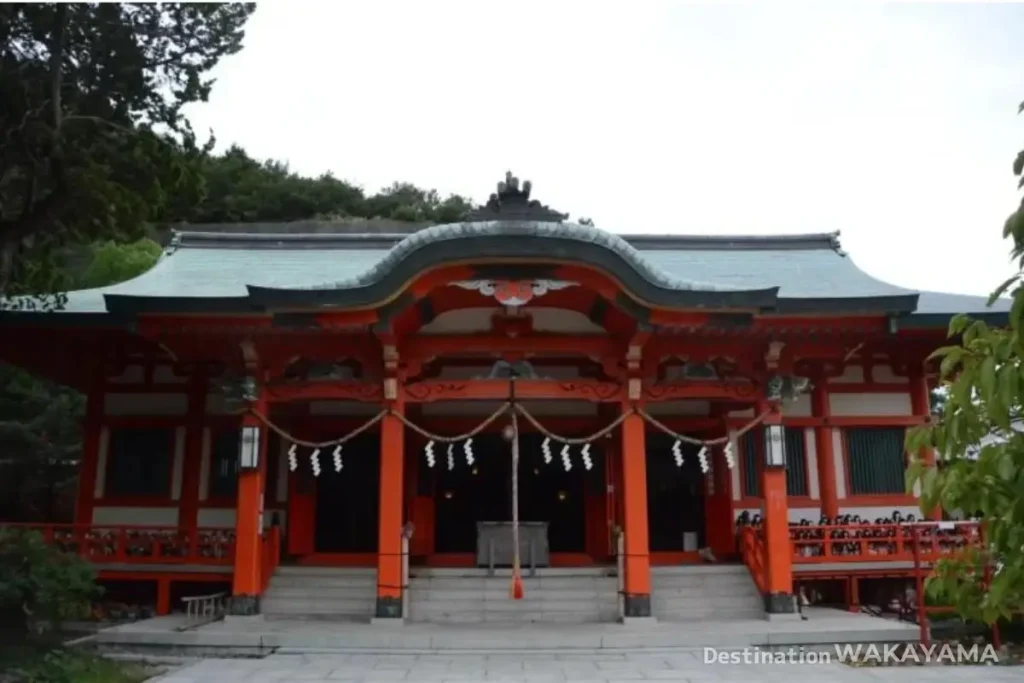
(148, 516)
(218, 518)
(133, 374)
(851, 374)
(870, 404)
(801, 407)
(838, 453)
(145, 404)
(224, 518)
(883, 374)
(811, 450)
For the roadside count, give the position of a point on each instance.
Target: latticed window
(752, 445)
(139, 461)
(876, 460)
(796, 462)
(224, 463)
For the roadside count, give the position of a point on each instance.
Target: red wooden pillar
(188, 512)
(389, 545)
(823, 449)
(247, 581)
(920, 406)
(301, 502)
(779, 570)
(634, 503)
(92, 428)
(718, 522)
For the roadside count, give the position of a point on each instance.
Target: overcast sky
(895, 124)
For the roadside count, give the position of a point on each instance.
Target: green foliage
(40, 586)
(93, 144)
(65, 665)
(238, 189)
(113, 262)
(979, 439)
(40, 422)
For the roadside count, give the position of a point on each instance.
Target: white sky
(895, 124)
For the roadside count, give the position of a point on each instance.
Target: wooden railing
(270, 554)
(138, 544)
(924, 541)
(754, 555)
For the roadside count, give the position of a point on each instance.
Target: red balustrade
(925, 541)
(754, 555)
(138, 544)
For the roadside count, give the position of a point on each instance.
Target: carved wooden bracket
(326, 391)
(701, 390)
(429, 391)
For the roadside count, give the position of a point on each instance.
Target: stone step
(351, 572)
(331, 592)
(557, 583)
(317, 606)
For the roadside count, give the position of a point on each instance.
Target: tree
(238, 189)
(113, 262)
(40, 421)
(979, 441)
(93, 142)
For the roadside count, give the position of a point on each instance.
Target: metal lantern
(249, 448)
(775, 446)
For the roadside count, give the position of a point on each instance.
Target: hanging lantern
(249, 448)
(337, 458)
(775, 446)
(545, 448)
(677, 452)
(293, 458)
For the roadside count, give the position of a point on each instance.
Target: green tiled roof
(205, 264)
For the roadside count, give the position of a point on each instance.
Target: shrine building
(332, 396)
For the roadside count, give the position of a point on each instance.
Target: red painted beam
(498, 389)
(426, 348)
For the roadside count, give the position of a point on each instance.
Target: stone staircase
(554, 595)
(717, 592)
(340, 593)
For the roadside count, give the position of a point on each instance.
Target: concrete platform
(823, 626)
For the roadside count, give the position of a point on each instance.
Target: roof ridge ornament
(512, 203)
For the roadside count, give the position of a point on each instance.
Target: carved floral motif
(513, 292)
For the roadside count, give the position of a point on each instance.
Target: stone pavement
(568, 668)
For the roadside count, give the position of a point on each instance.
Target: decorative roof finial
(510, 203)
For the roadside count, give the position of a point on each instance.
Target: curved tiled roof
(251, 267)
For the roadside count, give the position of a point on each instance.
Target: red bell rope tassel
(517, 579)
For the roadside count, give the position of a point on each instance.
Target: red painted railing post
(922, 613)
